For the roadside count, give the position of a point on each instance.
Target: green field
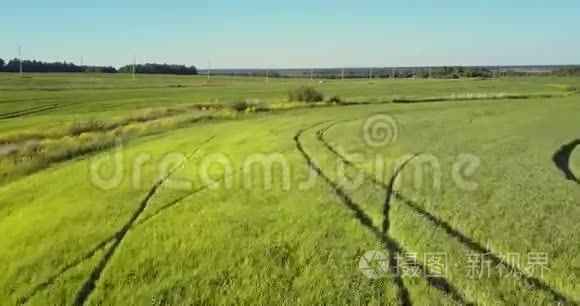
(55, 98)
(186, 211)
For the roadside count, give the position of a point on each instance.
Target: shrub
(260, 106)
(146, 115)
(133, 130)
(305, 94)
(569, 88)
(334, 100)
(92, 125)
(240, 106)
(6, 167)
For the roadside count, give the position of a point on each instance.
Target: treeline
(560, 71)
(438, 73)
(567, 71)
(39, 66)
(450, 72)
(13, 65)
(406, 73)
(458, 72)
(254, 74)
(151, 68)
(441, 73)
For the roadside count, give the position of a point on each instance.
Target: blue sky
(294, 33)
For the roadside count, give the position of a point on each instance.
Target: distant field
(144, 224)
(42, 100)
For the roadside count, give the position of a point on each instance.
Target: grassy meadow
(492, 173)
(46, 100)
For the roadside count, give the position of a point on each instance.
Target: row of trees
(449, 72)
(160, 69)
(567, 71)
(13, 65)
(458, 72)
(404, 73)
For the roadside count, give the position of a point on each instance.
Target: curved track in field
(116, 239)
(394, 248)
(28, 111)
(88, 287)
(102, 245)
(391, 244)
(561, 159)
(451, 231)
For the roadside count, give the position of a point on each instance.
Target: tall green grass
(475, 96)
(36, 151)
(76, 128)
(41, 154)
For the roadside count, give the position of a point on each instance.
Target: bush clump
(77, 128)
(240, 106)
(305, 94)
(250, 107)
(334, 100)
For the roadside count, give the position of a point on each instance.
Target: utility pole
(267, 76)
(312, 74)
(134, 62)
(20, 59)
(342, 76)
(208, 70)
(414, 72)
(371, 74)
(394, 73)
(81, 61)
(429, 72)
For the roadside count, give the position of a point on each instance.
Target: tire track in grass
(392, 245)
(468, 242)
(88, 287)
(532, 281)
(28, 111)
(180, 199)
(389, 192)
(393, 264)
(50, 280)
